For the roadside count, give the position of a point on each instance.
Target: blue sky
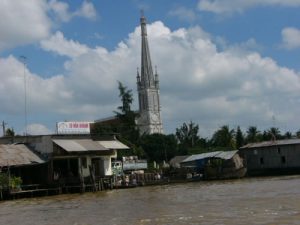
(221, 62)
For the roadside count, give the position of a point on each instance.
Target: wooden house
(272, 157)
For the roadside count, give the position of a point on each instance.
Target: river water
(271, 200)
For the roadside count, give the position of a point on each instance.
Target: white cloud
(198, 82)
(38, 129)
(26, 22)
(23, 22)
(290, 38)
(184, 14)
(232, 6)
(58, 44)
(87, 10)
(42, 93)
(61, 10)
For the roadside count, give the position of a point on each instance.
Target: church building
(149, 120)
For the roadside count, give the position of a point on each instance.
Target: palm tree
(274, 133)
(224, 137)
(239, 138)
(252, 134)
(298, 134)
(288, 135)
(187, 134)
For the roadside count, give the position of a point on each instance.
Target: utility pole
(3, 127)
(23, 59)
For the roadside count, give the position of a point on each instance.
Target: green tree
(127, 127)
(253, 135)
(272, 134)
(159, 147)
(298, 134)
(187, 134)
(187, 137)
(275, 133)
(9, 132)
(224, 138)
(124, 124)
(288, 135)
(126, 99)
(239, 138)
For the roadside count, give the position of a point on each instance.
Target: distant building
(21, 161)
(216, 165)
(149, 120)
(272, 157)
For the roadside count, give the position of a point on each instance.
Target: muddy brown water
(270, 200)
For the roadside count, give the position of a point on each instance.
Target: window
(262, 161)
(283, 160)
(278, 150)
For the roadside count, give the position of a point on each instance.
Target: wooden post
(81, 177)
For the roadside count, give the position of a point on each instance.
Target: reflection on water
(273, 200)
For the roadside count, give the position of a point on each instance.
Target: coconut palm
(252, 134)
(224, 137)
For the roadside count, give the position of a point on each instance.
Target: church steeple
(147, 77)
(149, 120)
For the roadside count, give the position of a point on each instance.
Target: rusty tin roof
(17, 155)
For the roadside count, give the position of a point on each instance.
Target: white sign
(73, 127)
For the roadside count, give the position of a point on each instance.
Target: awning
(17, 155)
(113, 144)
(79, 145)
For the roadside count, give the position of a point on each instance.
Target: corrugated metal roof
(226, 154)
(79, 145)
(178, 159)
(218, 154)
(201, 156)
(113, 144)
(17, 155)
(272, 143)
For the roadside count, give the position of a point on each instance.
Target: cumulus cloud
(26, 22)
(23, 22)
(290, 38)
(233, 6)
(42, 93)
(38, 129)
(58, 44)
(183, 14)
(87, 10)
(198, 82)
(61, 10)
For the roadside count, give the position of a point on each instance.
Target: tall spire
(149, 120)
(147, 78)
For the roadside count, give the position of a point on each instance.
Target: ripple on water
(246, 201)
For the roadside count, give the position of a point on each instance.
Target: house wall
(84, 166)
(43, 144)
(107, 166)
(104, 166)
(272, 157)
